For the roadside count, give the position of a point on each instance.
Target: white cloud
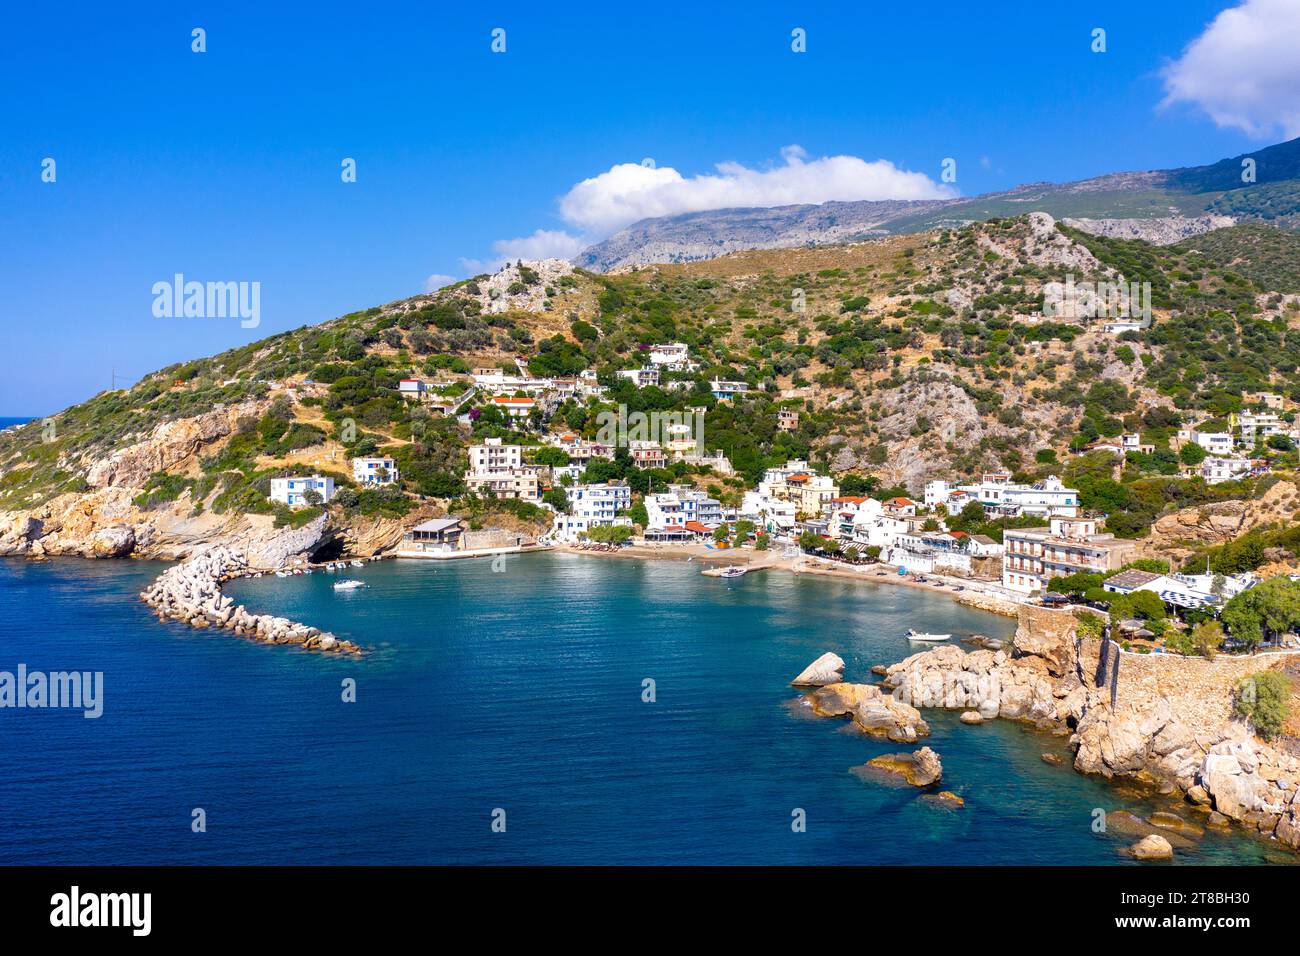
(628, 192)
(631, 191)
(1244, 70)
(437, 281)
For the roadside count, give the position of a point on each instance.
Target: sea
(545, 709)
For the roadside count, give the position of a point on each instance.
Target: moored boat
(347, 584)
(914, 635)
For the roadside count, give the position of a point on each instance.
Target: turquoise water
(519, 690)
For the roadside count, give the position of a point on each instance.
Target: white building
(500, 470)
(374, 471)
(1001, 496)
(293, 491)
(640, 377)
(674, 355)
(678, 506)
(414, 388)
(725, 391)
(1181, 590)
(1217, 470)
(593, 506)
(1264, 424)
(1216, 443)
(773, 515)
(515, 406)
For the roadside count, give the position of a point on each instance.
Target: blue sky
(225, 165)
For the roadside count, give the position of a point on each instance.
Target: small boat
(281, 574)
(734, 571)
(348, 585)
(358, 564)
(914, 635)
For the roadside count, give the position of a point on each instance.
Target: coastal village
(1142, 539)
(996, 541)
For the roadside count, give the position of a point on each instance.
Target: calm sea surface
(519, 690)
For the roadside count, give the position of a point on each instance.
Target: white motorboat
(734, 571)
(281, 574)
(914, 635)
(347, 584)
(358, 564)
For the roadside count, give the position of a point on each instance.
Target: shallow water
(519, 691)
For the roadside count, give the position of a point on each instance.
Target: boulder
(1152, 847)
(1172, 821)
(971, 717)
(115, 542)
(827, 669)
(920, 769)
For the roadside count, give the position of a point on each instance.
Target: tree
(638, 513)
(1270, 607)
(312, 497)
(557, 499)
(1191, 454)
(1206, 638)
(762, 541)
(1264, 700)
(810, 541)
(554, 457)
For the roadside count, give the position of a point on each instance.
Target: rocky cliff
(1161, 719)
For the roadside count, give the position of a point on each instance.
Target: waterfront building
(1033, 556)
(436, 536)
(592, 506)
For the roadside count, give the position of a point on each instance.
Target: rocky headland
(1162, 721)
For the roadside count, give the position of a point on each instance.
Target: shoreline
(977, 595)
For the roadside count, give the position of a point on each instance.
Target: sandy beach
(986, 596)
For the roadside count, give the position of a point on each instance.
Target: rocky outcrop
(106, 523)
(1175, 535)
(190, 593)
(1170, 723)
(170, 444)
(1158, 232)
(872, 711)
(919, 769)
(827, 669)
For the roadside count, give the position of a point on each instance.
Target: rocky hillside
(905, 357)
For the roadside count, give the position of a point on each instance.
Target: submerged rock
(1172, 821)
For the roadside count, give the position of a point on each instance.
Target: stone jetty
(190, 592)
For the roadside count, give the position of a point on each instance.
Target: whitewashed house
(374, 471)
(593, 506)
(293, 491)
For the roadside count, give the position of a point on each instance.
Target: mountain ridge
(1184, 193)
